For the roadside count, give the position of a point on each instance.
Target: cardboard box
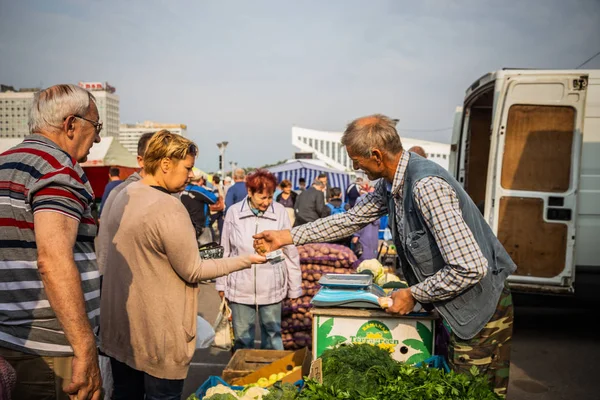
(246, 361)
(300, 357)
(409, 338)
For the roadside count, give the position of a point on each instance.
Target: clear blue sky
(246, 71)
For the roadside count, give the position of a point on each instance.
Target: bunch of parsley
(368, 372)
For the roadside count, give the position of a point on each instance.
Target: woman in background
(287, 198)
(262, 288)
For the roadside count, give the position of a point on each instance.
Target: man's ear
(377, 155)
(69, 126)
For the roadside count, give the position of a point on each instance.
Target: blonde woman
(150, 287)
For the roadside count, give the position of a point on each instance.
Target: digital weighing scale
(348, 290)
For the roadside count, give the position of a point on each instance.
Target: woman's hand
(257, 259)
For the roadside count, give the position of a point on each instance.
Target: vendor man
(450, 257)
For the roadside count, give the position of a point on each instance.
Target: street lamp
(232, 166)
(222, 146)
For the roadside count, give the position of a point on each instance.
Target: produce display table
(409, 338)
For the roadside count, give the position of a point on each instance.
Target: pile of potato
(315, 260)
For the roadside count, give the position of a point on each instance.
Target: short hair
(165, 144)
(143, 143)
(113, 171)
(372, 132)
(418, 150)
(285, 183)
(318, 183)
(322, 175)
(52, 105)
(197, 175)
(335, 192)
(302, 180)
(239, 173)
(261, 180)
(216, 179)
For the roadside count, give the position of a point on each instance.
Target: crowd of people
(130, 289)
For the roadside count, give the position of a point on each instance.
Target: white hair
(52, 105)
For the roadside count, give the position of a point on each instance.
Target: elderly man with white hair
(50, 286)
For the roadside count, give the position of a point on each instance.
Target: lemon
(263, 382)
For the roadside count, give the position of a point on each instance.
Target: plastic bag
(205, 334)
(107, 377)
(223, 328)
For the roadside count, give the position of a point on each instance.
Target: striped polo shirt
(35, 176)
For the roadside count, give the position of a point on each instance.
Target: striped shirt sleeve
(61, 191)
(465, 263)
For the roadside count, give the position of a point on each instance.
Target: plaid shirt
(439, 205)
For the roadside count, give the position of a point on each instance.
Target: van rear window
(537, 148)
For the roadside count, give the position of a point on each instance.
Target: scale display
(348, 290)
(346, 280)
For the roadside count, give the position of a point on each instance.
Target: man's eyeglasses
(97, 125)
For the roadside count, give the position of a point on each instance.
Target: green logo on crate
(375, 333)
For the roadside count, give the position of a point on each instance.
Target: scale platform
(348, 290)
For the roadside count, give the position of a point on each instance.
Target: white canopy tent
(110, 152)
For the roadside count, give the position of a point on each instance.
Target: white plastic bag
(223, 328)
(205, 334)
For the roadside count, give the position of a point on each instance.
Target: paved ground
(556, 351)
(555, 354)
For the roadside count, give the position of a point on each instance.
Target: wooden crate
(246, 361)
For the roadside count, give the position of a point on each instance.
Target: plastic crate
(211, 382)
(216, 380)
(438, 362)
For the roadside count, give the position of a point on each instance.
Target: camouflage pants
(489, 351)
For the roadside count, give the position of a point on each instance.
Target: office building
(129, 134)
(14, 111)
(108, 106)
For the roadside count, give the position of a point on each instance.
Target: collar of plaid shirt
(396, 187)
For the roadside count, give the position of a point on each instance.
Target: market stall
(293, 170)
(358, 350)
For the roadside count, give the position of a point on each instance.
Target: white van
(526, 147)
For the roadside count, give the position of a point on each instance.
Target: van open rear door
(456, 130)
(533, 194)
